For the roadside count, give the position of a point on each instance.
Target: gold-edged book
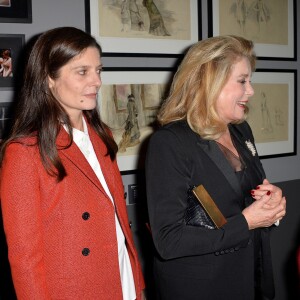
(209, 206)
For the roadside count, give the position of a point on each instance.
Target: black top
(193, 262)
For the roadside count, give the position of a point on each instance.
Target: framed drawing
(128, 102)
(272, 112)
(5, 117)
(270, 24)
(10, 48)
(144, 27)
(15, 11)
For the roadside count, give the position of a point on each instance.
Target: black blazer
(193, 262)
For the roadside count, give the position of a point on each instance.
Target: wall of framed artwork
(271, 24)
(146, 89)
(15, 11)
(122, 32)
(11, 46)
(272, 112)
(59, 15)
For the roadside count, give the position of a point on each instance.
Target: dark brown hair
(38, 113)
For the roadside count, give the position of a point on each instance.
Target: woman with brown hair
(62, 195)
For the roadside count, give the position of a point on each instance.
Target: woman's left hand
(266, 188)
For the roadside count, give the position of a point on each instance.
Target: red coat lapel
(75, 156)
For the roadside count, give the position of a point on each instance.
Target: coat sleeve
(168, 174)
(21, 209)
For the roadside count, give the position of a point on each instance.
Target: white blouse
(82, 140)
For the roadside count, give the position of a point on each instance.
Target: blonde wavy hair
(199, 80)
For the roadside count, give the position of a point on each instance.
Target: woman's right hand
(265, 211)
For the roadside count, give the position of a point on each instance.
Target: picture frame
(123, 34)
(273, 113)
(15, 11)
(5, 118)
(274, 35)
(12, 45)
(132, 123)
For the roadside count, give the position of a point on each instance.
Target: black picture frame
(273, 112)
(17, 12)
(223, 18)
(15, 43)
(143, 47)
(6, 114)
(141, 82)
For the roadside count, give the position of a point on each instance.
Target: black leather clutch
(201, 210)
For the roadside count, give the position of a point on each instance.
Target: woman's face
(235, 94)
(78, 83)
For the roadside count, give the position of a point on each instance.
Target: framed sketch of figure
(272, 112)
(128, 102)
(271, 24)
(144, 27)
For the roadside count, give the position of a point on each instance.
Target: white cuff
(277, 223)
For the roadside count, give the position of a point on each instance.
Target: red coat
(61, 236)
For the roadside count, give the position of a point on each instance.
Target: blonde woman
(205, 140)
